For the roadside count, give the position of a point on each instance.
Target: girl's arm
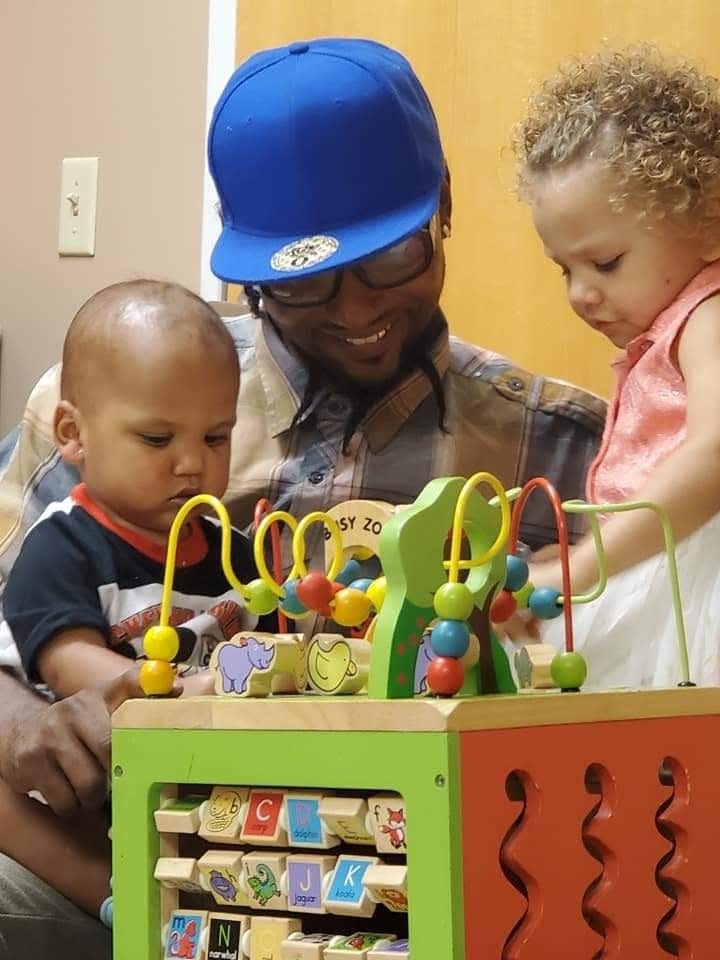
(686, 484)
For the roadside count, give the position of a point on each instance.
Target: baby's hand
(198, 684)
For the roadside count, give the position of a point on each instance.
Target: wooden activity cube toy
(491, 825)
(541, 825)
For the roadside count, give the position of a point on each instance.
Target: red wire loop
(262, 508)
(540, 483)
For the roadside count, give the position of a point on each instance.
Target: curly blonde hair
(654, 121)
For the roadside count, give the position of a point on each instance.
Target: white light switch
(78, 199)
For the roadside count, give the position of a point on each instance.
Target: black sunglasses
(399, 264)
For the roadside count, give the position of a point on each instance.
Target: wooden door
(479, 60)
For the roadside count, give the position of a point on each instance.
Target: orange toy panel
(588, 840)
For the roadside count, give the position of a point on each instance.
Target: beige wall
(124, 80)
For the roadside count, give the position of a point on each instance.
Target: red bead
(315, 591)
(445, 676)
(503, 607)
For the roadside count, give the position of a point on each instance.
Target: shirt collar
(192, 546)
(284, 378)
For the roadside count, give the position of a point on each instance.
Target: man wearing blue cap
(335, 204)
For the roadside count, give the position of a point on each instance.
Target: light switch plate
(78, 200)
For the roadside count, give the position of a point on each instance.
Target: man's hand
(62, 750)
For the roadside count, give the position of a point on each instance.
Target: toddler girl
(620, 165)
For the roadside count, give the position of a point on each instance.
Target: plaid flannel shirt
(499, 418)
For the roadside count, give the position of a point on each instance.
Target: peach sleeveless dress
(628, 635)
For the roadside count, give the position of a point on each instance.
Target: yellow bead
(363, 553)
(350, 607)
(157, 678)
(161, 643)
(376, 592)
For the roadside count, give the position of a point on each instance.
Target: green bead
(568, 671)
(523, 594)
(453, 601)
(260, 598)
(161, 643)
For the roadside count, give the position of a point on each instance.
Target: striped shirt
(499, 418)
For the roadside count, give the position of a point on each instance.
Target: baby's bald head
(134, 325)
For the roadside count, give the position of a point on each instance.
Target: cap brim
(244, 258)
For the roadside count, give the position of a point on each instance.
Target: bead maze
(369, 818)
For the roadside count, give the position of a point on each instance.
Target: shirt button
(316, 477)
(516, 384)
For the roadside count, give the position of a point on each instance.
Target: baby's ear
(66, 428)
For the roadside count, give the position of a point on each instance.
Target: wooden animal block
(221, 873)
(397, 950)
(387, 884)
(306, 879)
(254, 664)
(387, 816)
(264, 821)
(184, 935)
(305, 826)
(226, 932)
(357, 945)
(347, 818)
(337, 664)
(262, 873)
(307, 946)
(223, 814)
(179, 815)
(346, 893)
(289, 674)
(361, 522)
(266, 935)
(180, 873)
(532, 666)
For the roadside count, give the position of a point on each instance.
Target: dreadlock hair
(252, 295)
(419, 356)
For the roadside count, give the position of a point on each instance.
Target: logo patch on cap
(304, 253)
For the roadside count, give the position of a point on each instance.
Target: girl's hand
(522, 628)
(547, 574)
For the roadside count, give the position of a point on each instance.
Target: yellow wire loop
(173, 537)
(277, 516)
(455, 564)
(298, 543)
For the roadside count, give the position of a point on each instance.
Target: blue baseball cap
(322, 153)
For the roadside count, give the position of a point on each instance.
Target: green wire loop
(591, 510)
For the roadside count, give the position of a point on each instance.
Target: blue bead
(450, 638)
(351, 571)
(290, 603)
(362, 584)
(544, 604)
(517, 573)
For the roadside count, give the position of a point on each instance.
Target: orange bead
(445, 676)
(503, 607)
